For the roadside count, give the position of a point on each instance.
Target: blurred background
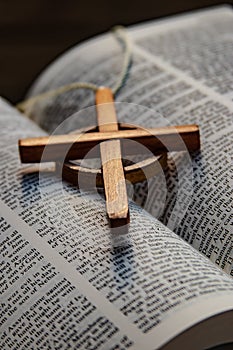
(34, 32)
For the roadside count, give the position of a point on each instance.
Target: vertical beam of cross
(111, 160)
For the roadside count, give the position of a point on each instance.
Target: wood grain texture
(114, 182)
(70, 147)
(106, 113)
(111, 161)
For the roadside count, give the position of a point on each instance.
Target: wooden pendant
(110, 142)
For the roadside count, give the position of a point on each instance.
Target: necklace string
(123, 38)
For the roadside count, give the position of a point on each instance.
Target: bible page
(181, 73)
(66, 282)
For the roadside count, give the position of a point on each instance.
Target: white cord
(27, 104)
(122, 36)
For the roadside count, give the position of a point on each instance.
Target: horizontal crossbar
(76, 146)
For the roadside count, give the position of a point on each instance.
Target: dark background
(34, 32)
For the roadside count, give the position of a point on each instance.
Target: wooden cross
(111, 143)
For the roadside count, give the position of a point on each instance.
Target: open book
(65, 283)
